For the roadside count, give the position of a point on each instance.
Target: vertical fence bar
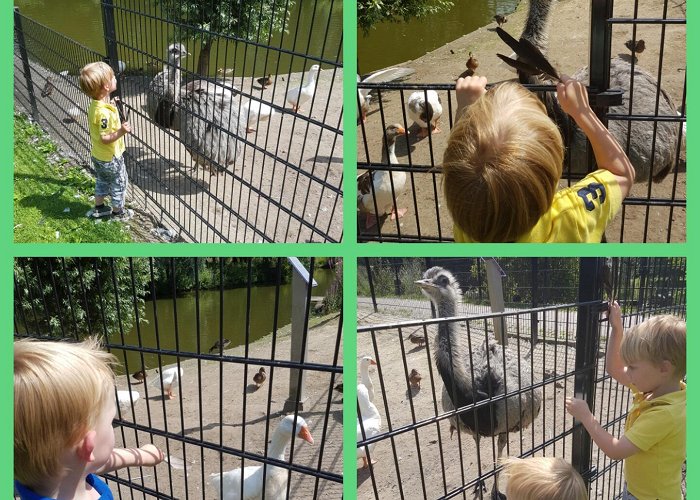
(599, 63)
(371, 284)
(21, 44)
(590, 269)
(110, 34)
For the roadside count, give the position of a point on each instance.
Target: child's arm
(614, 364)
(468, 90)
(617, 449)
(573, 99)
(110, 138)
(146, 456)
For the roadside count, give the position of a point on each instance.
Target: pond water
(262, 307)
(394, 43)
(314, 28)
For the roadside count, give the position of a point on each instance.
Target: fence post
(371, 284)
(19, 34)
(587, 326)
(599, 64)
(535, 292)
(110, 34)
(494, 279)
(300, 282)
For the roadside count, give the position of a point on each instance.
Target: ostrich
(644, 103)
(202, 111)
(470, 377)
(165, 89)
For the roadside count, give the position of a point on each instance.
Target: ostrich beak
(306, 435)
(425, 283)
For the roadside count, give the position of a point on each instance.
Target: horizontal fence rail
(232, 161)
(221, 322)
(646, 114)
(556, 351)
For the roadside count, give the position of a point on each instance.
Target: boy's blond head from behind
(61, 389)
(542, 478)
(502, 164)
(660, 338)
(94, 77)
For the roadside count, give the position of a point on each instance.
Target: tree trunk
(203, 63)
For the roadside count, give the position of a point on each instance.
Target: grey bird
(489, 370)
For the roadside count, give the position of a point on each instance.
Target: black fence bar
(159, 316)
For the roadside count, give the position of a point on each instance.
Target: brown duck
(636, 48)
(259, 378)
(140, 375)
(414, 378)
(500, 19)
(265, 81)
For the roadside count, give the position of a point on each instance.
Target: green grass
(52, 194)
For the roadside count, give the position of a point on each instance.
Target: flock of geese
(252, 480)
(378, 190)
(469, 376)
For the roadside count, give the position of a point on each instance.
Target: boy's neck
(665, 388)
(104, 98)
(72, 486)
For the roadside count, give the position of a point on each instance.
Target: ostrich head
(442, 288)
(176, 51)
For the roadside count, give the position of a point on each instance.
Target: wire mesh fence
(412, 442)
(251, 341)
(645, 113)
(236, 111)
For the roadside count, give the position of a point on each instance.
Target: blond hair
(660, 338)
(542, 478)
(94, 77)
(61, 389)
(502, 164)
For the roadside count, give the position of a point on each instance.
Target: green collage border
(348, 249)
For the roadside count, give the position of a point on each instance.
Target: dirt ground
(227, 399)
(425, 462)
(568, 51)
(259, 191)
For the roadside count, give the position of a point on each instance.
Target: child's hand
(153, 451)
(615, 315)
(469, 90)
(577, 408)
(573, 97)
(126, 127)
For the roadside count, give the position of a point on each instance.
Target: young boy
(542, 478)
(64, 406)
(503, 163)
(650, 360)
(107, 133)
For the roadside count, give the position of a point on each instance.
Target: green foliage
(390, 280)
(75, 297)
(52, 196)
(333, 301)
(371, 12)
(253, 20)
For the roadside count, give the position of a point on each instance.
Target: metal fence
(222, 416)
(646, 114)
(560, 354)
(277, 172)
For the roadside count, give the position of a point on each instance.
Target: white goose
(228, 484)
(126, 399)
(168, 380)
(382, 181)
(365, 363)
(253, 112)
(301, 95)
(381, 76)
(371, 423)
(423, 112)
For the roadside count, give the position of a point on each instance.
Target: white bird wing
(384, 76)
(252, 483)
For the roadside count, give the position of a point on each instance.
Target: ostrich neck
(536, 26)
(447, 338)
(175, 78)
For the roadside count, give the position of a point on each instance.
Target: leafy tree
(371, 12)
(76, 297)
(253, 20)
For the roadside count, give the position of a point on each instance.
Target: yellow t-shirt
(104, 119)
(578, 214)
(657, 428)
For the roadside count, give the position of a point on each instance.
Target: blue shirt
(91, 479)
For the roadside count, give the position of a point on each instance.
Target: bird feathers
(530, 59)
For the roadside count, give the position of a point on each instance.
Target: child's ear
(86, 447)
(666, 367)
